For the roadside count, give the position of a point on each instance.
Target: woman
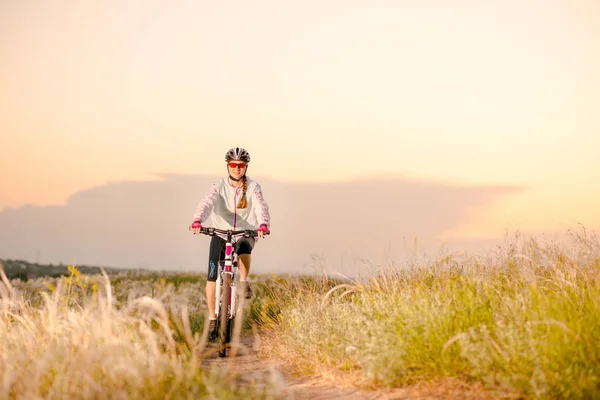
(236, 202)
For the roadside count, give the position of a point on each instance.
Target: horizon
(119, 232)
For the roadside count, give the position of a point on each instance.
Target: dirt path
(256, 370)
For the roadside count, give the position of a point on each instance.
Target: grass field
(523, 322)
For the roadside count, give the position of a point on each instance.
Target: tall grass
(75, 343)
(524, 322)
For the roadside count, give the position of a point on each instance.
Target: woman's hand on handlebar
(262, 230)
(195, 227)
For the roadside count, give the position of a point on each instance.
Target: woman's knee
(216, 253)
(245, 247)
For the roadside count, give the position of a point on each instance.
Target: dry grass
(77, 344)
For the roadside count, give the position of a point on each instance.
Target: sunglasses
(240, 166)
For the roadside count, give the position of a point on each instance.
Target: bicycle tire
(224, 317)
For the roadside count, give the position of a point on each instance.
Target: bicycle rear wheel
(224, 326)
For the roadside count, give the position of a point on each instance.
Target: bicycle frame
(229, 265)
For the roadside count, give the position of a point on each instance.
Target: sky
(494, 94)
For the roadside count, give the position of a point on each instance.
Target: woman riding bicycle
(236, 203)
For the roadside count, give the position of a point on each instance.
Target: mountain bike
(226, 305)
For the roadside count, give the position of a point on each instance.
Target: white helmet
(237, 154)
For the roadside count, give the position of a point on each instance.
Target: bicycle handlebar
(245, 232)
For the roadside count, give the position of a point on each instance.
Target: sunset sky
(480, 93)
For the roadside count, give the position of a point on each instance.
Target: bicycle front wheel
(224, 325)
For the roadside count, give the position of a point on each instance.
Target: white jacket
(221, 202)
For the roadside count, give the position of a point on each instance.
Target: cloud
(144, 224)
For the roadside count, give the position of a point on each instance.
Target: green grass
(525, 323)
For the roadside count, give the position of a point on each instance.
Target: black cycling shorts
(217, 252)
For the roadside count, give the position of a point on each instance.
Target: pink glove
(263, 228)
(196, 225)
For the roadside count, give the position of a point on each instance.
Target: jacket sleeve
(262, 208)
(207, 203)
